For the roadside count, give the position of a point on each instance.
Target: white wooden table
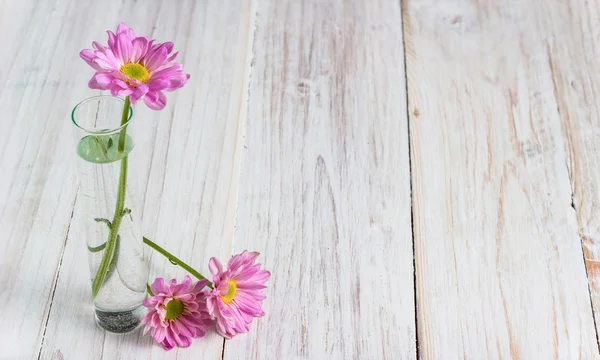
(421, 178)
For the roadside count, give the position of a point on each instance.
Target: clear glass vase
(114, 241)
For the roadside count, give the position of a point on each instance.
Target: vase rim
(100, 97)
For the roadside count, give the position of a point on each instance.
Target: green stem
(176, 261)
(124, 117)
(111, 243)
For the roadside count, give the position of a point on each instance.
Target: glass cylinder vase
(104, 146)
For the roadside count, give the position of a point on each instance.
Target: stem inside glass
(101, 123)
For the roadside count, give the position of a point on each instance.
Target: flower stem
(124, 117)
(112, 242)
(176, 261)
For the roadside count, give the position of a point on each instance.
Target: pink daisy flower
(177, 312)
(135, 67)
(235, 299)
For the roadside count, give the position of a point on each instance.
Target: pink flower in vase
(177, 312)
(235, 299)
(135, 67)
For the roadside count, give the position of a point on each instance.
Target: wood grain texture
(37, 188)
(292, 139)
(324, 192)
(183, 166)
(499, 265)
(572, 29)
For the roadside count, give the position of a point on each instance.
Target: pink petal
(192, 306)
(184, 296)
(124, 29)
(241, 318)
(147, 329)
(155, 100)
(182, 288)
(184, 330)
(111, 39)
(169, 46)
(138, 50)
(159, 286)
(172, 57)
(250, 285)
(211, 304)
(224, 289)
(138, 92)
(174, 327)
(119, 87)
(103, 80)
(93, 84)
(116, 91)
(160, 334)
(200, 332)
(107, 61)
(155, 58)
(151, 301)
(156, 321)
(170, 336)
(98, 46)
(124, 48)
(245, 258)
(167, 72)
(177, 81)
(221, 330)
(248, 304)
(215, 267)
(246, 272)
(261, 276)
(200, 284)
(89, 56)
(185, 341)
(167, 345)
(147, 317)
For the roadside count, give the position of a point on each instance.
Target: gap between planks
(410, 176)
(571, 185)
(569, 166)
(57, 276)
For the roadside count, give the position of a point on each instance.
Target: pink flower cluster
(180, 312)
(136, 67)
(139, 68)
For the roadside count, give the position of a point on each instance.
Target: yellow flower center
(136, 71)
(231, 293)
(174, 309)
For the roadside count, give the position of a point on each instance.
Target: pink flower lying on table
(235, 299)
(177, 312)
(135, 67)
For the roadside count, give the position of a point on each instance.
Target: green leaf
(149, 290)
(103, 220)
(97, 248)
(101, 246)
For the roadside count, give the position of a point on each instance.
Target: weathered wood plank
(572, 28)
(324, 192)
(499, 266)
(37, 190)
(183, 167)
